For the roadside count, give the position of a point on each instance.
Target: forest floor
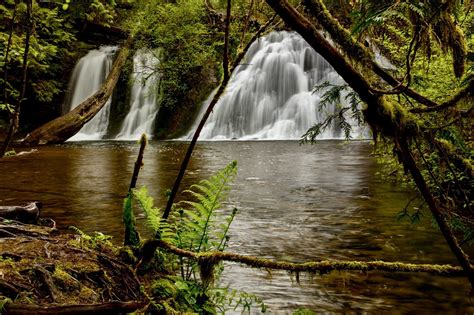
(44, 271)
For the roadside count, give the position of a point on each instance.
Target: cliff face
(173, 122)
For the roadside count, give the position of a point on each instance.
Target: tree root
(47, 282)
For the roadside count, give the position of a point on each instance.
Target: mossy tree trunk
(383, 116)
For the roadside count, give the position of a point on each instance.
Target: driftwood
(28, 213)
(66, 126)
(12, 228)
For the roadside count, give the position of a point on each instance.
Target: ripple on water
(297, 203)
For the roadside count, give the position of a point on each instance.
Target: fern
(200, 228)
(332, 94)
(194, 224)
(97, 240)
(153, 215)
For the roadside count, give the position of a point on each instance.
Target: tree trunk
(66, 126)
(15, 115)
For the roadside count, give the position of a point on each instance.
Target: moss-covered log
(66, 126)
(324, 266)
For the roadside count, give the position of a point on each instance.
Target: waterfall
(144, 98)
(270, 95)
(87, 77)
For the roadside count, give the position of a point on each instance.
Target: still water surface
(296, 203)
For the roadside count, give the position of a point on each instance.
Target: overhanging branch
(466, 92)
(344, 39)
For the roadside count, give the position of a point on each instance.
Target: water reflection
(296, 203)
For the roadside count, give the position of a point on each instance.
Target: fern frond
(80, 232)
(208, 194)
(146, 203)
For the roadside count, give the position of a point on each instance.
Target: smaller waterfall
(144, 98)
(87, 77)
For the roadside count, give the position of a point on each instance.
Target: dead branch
(208, 112)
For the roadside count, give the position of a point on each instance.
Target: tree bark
(66, 126)
(410, 164)
(131, 236)
(7, 53)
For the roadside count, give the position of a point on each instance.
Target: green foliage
(198, 225)
(174, 295)
(131, 234)
(97, 240)
(188, 43)
(342, 116)
(3, 302)
(102, 12)
(430, 21)
(228, 300)
(49, 46)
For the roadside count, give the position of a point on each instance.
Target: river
(296, 203)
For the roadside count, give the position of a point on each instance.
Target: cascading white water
(144, 98)
(270, 95)
(87, 77)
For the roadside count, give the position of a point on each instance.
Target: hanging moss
(206, 268)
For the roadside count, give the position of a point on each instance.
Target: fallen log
(66, 126)
(107, 308)
(28, 213)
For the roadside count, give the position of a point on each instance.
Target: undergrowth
(200, 224)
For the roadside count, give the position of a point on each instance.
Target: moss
(447, 145)
(338, 33)
(303, 311)
(89, 294)
(163, 288)
(65, 280)
(127, 255)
